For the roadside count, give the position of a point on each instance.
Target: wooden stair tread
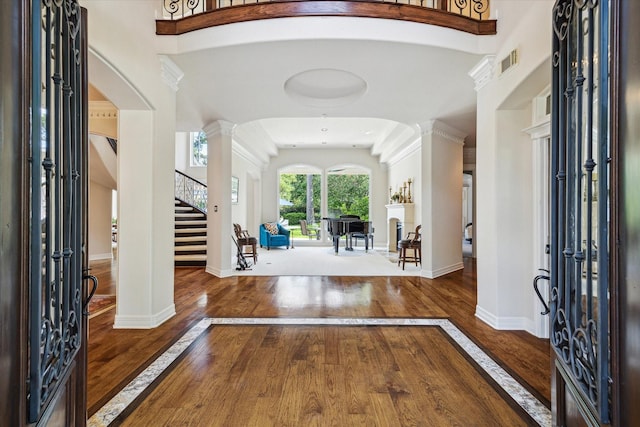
(180, 239)
(191, 230)
(195, 257)
(187, 248)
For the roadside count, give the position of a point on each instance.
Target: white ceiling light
(325, 87)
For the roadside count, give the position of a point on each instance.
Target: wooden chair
(246, 242)
(310, 232)
(412, 242)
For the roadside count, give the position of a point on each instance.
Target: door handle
(93, 279)
(535, 287)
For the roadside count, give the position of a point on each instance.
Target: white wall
(399, 172)
(129, 74)
(183, 158)
(99, 221)
(247, 211)
(442, 151)
(324, 159)
(504, 210)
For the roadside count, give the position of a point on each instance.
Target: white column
(99, 221)
(441, 194)
(146, 162)
(145, 220)
(219, 227)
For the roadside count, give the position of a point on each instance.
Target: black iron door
(58, 197)
(580, 217)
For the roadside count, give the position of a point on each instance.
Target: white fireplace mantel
(402, 213)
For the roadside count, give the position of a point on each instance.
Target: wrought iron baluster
(480, 7)
(476, 9)
(603, 369)
(589, 165)
(576, 166)
(47, 164)
(35, 270)
(191, 191)
(580, 76)
(52, 357)
(567, 204)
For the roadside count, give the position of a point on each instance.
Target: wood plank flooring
(295, 375)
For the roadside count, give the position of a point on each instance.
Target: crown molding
(405, 152)
(541, 130)
(483, 71)
(436, 127)
(171, 74)
(102, 110)
(240, 151)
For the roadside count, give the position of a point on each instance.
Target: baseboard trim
(96, 257)
(143, 321)
(432, 274)
(218, 272)
(503, 323)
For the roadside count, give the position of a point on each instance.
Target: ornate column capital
(483, 71)
(171, 74)
(221, 127)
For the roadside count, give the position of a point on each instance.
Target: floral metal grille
(580, 199)
(56, 198)
(191, 191)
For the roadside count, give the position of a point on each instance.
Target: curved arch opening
(300, 204)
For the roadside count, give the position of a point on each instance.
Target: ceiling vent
(509, 61)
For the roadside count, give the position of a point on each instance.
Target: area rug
(101, 304)
(323, 261)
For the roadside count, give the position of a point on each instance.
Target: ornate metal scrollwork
(181, 8)
(191, 191)
(562, 15)
(471, 8)
(56, 235)
(579, 281)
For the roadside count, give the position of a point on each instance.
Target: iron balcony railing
(474, 9)
(191, 191)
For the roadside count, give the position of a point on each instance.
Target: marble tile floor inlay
(518, 393)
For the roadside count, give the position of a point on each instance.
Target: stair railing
(178, 9)
(191, 191)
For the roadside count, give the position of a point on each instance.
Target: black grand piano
(351, 227)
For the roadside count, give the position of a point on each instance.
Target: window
(348, 192)
(198, 148)
(300, 197)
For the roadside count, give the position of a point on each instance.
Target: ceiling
(316, 93)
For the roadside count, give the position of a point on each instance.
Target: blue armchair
(269, 239)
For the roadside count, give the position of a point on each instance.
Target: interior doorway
(467, 214)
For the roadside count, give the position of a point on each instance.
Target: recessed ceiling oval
(325, 87)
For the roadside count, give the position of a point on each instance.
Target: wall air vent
(509, 61)
(547, 106)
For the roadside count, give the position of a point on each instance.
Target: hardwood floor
(349, 375)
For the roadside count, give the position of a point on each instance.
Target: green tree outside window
(199, 149)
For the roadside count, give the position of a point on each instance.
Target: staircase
(190, 236)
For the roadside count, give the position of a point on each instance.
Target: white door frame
(540, 136)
